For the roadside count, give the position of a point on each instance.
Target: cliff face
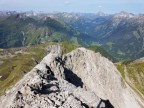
(79, 79)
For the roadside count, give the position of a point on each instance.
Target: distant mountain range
(19, 30)
(121, 34)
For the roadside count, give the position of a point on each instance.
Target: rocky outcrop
(79, 79)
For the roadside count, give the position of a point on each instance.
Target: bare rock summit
(79, 79)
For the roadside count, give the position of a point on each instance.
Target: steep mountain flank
(79, 79)
(133, 73)
(102, 77)
(122, 35)
(20, 30)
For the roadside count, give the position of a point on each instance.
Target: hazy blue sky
(93, 6)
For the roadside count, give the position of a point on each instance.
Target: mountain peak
(124, 14)
(78, 79)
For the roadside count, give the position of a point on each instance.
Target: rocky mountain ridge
(79, 79)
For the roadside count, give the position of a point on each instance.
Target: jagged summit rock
(79, 79)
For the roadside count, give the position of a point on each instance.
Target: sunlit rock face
(79, 79)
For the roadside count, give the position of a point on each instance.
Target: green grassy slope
(15, 63)
(133, 74)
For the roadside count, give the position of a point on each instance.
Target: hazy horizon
(93, 6)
